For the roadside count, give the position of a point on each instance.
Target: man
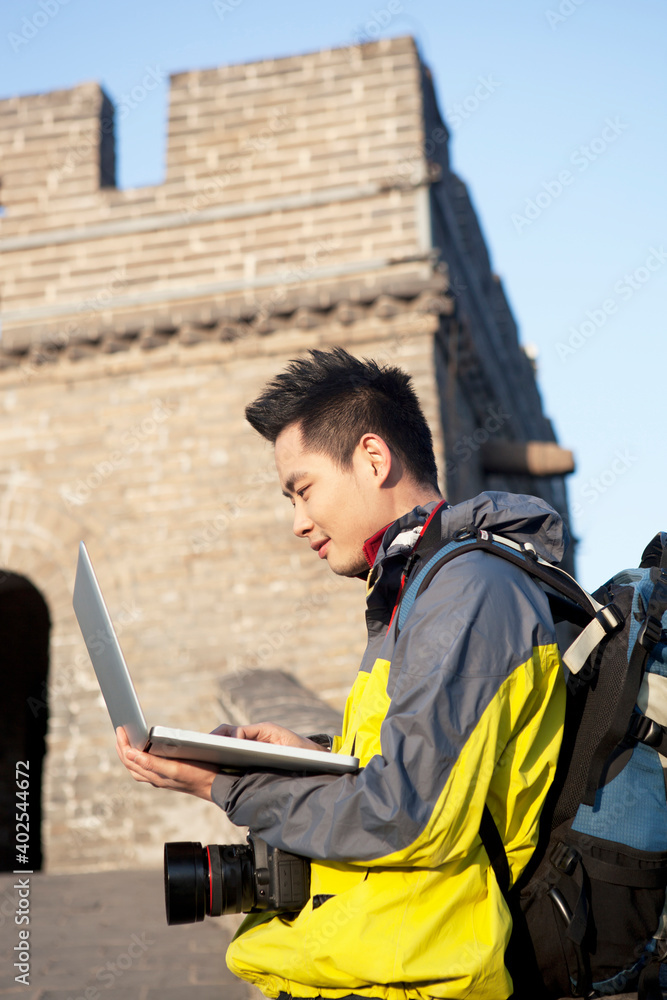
(462, 708)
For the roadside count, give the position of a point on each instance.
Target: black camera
(231, 878)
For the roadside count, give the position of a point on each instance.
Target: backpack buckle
(646, 731)
(565, 858)
(610, 618)
(650, 632)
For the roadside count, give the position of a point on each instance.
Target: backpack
(589, 912)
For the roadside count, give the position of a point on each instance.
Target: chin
(350, 569)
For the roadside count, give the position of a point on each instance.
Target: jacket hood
(518, 517)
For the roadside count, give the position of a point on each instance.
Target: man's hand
(194, 779)
(268, 732)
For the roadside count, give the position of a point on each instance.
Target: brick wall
(298, 210)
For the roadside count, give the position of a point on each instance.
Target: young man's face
(335, 509)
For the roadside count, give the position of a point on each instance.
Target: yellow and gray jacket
(464, 707)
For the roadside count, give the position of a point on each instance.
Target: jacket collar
(401, 535)
(372, 545)
(396, 542)
(517, 517)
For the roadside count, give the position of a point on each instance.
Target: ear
(376, 458)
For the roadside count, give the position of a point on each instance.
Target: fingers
(270, 732)
(121, 741)
(142, 767)
(122, 744)
(263, 732)
(194, 779)
(156, 771)
(225, 729)
(253, 731)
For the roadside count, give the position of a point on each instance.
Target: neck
(416, 496)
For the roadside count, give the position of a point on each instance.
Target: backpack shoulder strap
(434, 552)
(623, 721)
(494, 847)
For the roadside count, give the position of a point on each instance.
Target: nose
(302, 524)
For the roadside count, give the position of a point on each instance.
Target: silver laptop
(124, 708)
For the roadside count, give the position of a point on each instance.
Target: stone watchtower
(308, 202)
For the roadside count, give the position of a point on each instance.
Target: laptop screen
(105, 653)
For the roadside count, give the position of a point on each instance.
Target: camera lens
(184, 883)
(211, 880)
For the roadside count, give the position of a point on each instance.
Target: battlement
(54, 147)
(267, 164)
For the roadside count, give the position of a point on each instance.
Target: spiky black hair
(336, 398)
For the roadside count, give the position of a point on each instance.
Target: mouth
(321, 548)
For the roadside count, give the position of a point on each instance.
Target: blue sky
(564, 159)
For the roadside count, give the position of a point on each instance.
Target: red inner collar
(372, 545)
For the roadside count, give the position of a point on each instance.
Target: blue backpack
(589, 912)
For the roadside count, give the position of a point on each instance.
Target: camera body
(282, 880)
(232, 878)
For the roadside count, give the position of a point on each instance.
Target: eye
(299, 493)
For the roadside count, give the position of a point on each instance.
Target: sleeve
(474, 666)
(323, 739)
